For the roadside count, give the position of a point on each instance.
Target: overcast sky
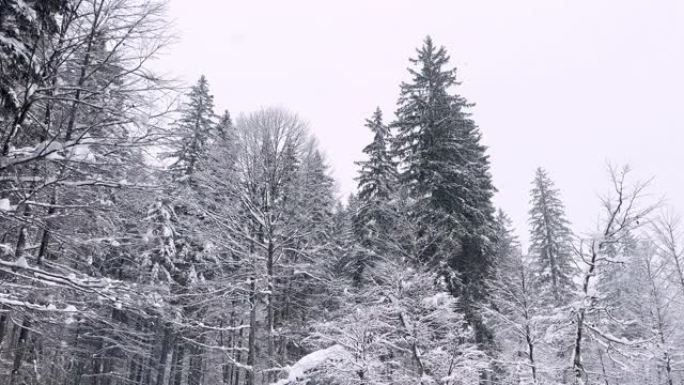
(567, 85)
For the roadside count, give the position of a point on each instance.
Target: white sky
(568, 85)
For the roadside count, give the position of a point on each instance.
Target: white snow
(21, 262)
(167, 231)
(54, 156)
(5, 205)
(315, 360)
(6, 249)
(438, 300)
(82, 153)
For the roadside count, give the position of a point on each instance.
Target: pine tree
(318, 191)
(377, 174)
(351, 258)
(193, 129)
(377, 180)
(507, 243)
(219, 163)
(25, 26)
(446, 170)
(194, 133)
(550, 239)
(224, 127)
(161, 258)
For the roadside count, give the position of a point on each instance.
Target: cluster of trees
(602, 308)
(144, 244)
(149, 242)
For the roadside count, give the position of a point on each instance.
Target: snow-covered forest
(148, 237)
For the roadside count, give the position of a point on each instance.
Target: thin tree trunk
(238, 357)
(603, 368)
(132, 369)
(20, 349)
(577, 367)
(195, 366)
(45, 238)
(251, 342)
(226, 368)
(530, 354)
(161, 363)
(269, 310)
(97, 363)
(3, 324)
(660, 323)
(178, 358)
(149, 364)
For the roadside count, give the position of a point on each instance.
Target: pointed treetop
(378, 172)
(193, 129)
(429, 62)
(550, 239)
(225, 119)
(224, 127)
(375, 123)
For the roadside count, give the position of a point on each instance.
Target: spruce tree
(216, 170)
(224, 127)
(193, 129)
(194, 132)
(377, 174)
(446, 170)
(507, 243)
(550, 239)
(377, 180)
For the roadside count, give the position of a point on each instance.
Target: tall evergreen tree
(377, 174)
(377, 179)
(446, 170)
(193, 129)
(194, 264)
(550, 239)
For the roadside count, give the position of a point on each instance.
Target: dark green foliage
(550, 239)
(194, 129)
(377, 174)
(374, 216)
(446, 170)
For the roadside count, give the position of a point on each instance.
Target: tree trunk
(195, 367)
(251, 342)
(45, 238)
(577, 367)
(20, 349)
(132, 369)
(530, 353)
(178, 358)
(3, 323)
(163, 355)
(227, 369)
(238, 358)
(269, 312)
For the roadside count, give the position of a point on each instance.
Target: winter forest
(149, 238)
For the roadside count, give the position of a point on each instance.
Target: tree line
(148, 239)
